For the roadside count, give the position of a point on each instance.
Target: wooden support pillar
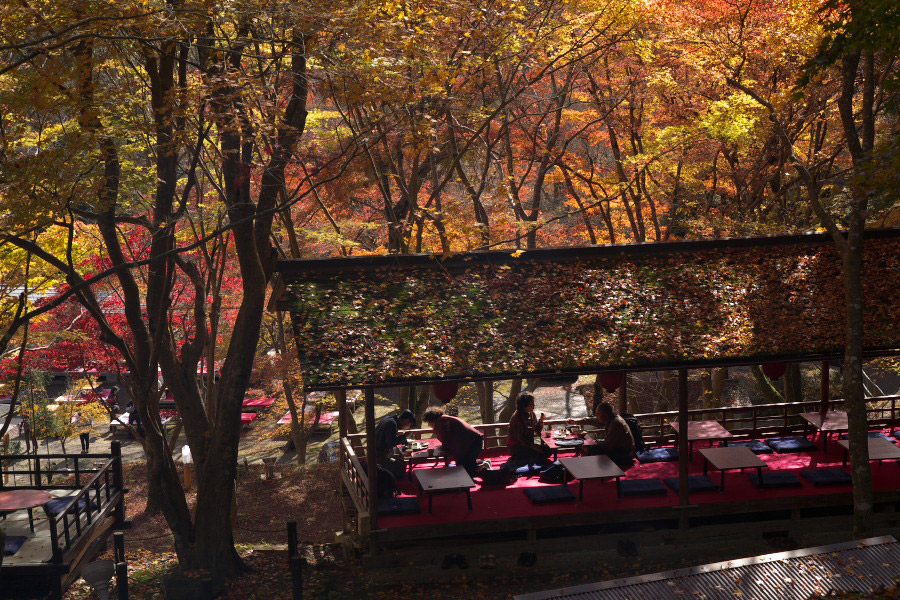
(684, 457)
(623, 395)
(370, 458)
(343, 415)
(826, 392)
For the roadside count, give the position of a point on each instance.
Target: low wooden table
(732, 457)
(13, 500)
(445, 481)
(432, 454)
(879, 449)
(569, 443)
(832, 421)
(703, 430)
(592, 467)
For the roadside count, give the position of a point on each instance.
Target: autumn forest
(157, 158)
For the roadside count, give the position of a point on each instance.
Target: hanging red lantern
(612, 381)
(445, 392)
(774, 370)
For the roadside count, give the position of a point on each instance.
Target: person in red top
(523, 428)
(459, 439)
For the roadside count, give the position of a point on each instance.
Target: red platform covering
(257, 402)
(247, 418)
(326, 418)
(511, 502)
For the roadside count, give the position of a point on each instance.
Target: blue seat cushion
(56, 506)
(776, 479)
(827, 477)
(398, 506)
(756, 446)
(658, 455)
(696, 483)
(872, 434)
(642, 487)
(896, 433)
(13, 543)
(787, 445)
(528, 470)
(549, 493)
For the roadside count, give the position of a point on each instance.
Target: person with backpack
(524, 427)
(618, 442)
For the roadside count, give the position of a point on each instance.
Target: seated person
(459, 439)
(618, 443)
(523, 428)
(388, 436)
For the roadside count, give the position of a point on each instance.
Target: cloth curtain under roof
(400, 319)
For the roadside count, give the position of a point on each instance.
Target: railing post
(121, 565)
(122, 580)
(295, 562)
(684, 455)
(372, 467)
(54, 539)
(119, 546)
(118, 481)
(292, 538)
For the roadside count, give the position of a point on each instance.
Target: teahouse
(366, 322)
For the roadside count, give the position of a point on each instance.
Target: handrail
(100, 485)
(783, 413)
(355, 479)
(49, 470)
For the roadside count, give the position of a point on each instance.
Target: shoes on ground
(487, 561)
(527, 559)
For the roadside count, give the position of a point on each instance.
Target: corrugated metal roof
(851, 566)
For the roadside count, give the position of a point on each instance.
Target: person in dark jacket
(387, 436)
(617, 443)
(524, 427)
(459, 439)
(134, 420)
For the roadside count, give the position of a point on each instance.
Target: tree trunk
(515, 388)
(422, 401)
(670, 391)
(793, 384)
(706, 382)
(765, 386)
(485, 391)
(718, 384)
(854, 396)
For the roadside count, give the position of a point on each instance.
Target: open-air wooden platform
(67, 538)
(504, 522)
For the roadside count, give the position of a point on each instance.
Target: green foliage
(732, 120)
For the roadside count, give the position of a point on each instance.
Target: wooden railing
(100, 490)
(57, 471)
(355, 480)
(764, 419)
(89, 505)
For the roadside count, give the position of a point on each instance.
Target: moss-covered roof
(402, 319)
